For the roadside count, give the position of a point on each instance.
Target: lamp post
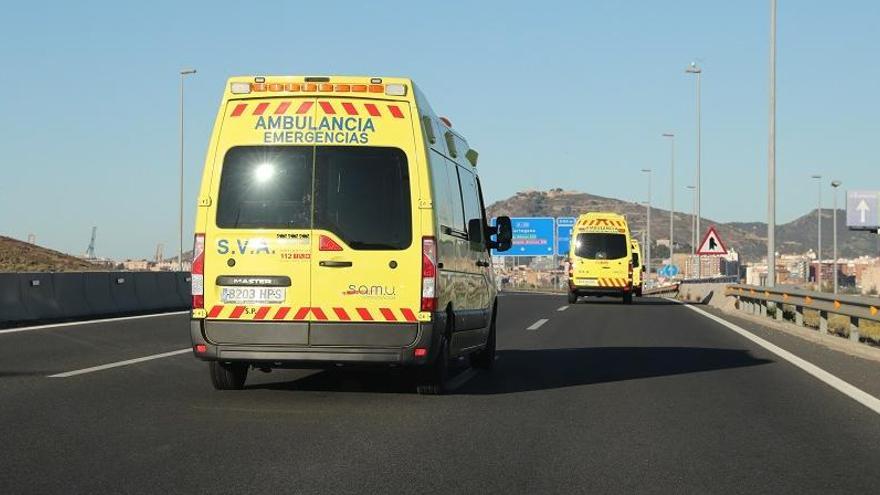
(648, 227)
(692, 189)
(818, 179)
(771, 157)
(835, 184)
(698, 72)
(671, 137)
(183, 74)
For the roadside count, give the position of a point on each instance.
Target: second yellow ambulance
(600, 258)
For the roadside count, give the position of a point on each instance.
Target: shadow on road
(638, 301)
(540, 369)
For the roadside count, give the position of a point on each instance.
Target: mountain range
(749, 239)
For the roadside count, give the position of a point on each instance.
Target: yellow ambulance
(340, 221)
(638, 268)
(600, 259)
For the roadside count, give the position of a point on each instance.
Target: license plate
(588, 282)
(264, 295)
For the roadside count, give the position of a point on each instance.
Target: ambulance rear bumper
(315, 344)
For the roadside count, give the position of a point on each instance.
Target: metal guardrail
(711, 280)
(754, 300)
(664, 290)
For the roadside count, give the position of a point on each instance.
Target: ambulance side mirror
(503, 235)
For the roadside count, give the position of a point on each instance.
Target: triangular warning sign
(712, 243)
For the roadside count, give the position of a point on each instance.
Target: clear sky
(552, 94)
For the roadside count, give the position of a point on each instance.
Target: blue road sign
(863, 210)
(563, 234)
(531, 237)
(668, 271)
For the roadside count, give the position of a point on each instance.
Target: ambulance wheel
(628, 298)
(572, 298)
(485, 359)
(434, 376)
(228, 376)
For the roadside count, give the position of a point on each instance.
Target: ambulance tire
(628, 298)
(484, 359)
(228, 376)
(433, 377)
(572, 298)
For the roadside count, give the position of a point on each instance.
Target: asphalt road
(600, 398)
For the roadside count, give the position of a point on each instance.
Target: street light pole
(648, 227)
(183, 74)
(835, 184)
(671, 137)
(819, 222)
(695, 69)
(771, 157)
(692, 189)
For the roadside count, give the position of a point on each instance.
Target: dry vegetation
(18, 256)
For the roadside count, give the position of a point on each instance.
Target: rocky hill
(747, 238)
(19, 256)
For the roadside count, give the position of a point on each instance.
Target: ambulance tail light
(429, 274)
(630, 274)
(198, 272)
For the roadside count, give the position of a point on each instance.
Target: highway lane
(601, 397)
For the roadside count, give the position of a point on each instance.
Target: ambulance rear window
(600, 246)
(362, 194)
(264, 187)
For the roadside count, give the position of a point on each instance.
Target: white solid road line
(536, 325)
(88, 322)
(563, 308)
(857, 394)
(117, 364)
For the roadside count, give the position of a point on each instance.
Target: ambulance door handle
(335, 264)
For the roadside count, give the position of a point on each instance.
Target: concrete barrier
(184, 289)
(44, 297)
(38, 296)
(146, 289)
(123, 291)
(98, 294)
(70, 292)
(11, 307)
(168, 296)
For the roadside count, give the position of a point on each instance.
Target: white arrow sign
(863, 209)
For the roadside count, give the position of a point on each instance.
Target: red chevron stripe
(341, 314)
(238, 110)
(319, 313)
(349, 109)
(327, 107)
(408, 314)
(215, 311)
(395, 111)
(301, 313)
(236, 313)
(261, 108)
(304, 107)
(372, 110)
(364, 314)
(281, 313)
(261, 313)
(388, 314)
(282, 108)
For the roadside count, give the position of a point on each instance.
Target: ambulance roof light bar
(260, 86)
